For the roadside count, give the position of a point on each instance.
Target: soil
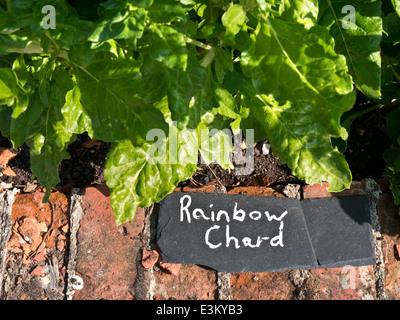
(368, 140)
(85, 166)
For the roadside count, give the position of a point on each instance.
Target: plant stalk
(198, 44)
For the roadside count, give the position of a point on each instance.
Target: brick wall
(122, 262)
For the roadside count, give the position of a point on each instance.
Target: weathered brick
(262, 286)
(192, 283)
(54, 214)
(106, 253)
(390, 229)
(31, 205)
(210, 188)
(256, 191)
(347, 283)
(319, 190)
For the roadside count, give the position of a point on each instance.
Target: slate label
(240, 233)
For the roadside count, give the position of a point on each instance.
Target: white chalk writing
(188, 214)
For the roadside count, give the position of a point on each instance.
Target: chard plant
(124, 71)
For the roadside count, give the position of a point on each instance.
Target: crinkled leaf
(233, 19)
(168, 46)
(302, 90)
(302, 11)
(75, 119)
(108, 87)
(11, 92)
(135, 181)
(121, 24)
(303, 69)
(48, 136)
(182, 86)
(164, 11)
(396, 6)
(359, 42)
(209, 121)
(302, 142)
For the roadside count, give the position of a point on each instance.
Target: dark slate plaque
(241, 233)
(340, 230)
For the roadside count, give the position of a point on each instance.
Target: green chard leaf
(182, 86)
(168, 46)
(396, 6)
(109, 88)
(301, 91)
(233, 20)
(11, 92)
(357, 37)
(139, 176)
(124, 23)
(48, 134)
(135, 181)
(302, 11)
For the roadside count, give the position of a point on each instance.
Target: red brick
(349, 283)
(31, 214)
(149, 258)
(390, 229)
(209, 188)
(256, 191)
(172, 268)
(262, 286)
(31, 205)
(192, 283)
(319, 190)
(37, 271)
(106, 254)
